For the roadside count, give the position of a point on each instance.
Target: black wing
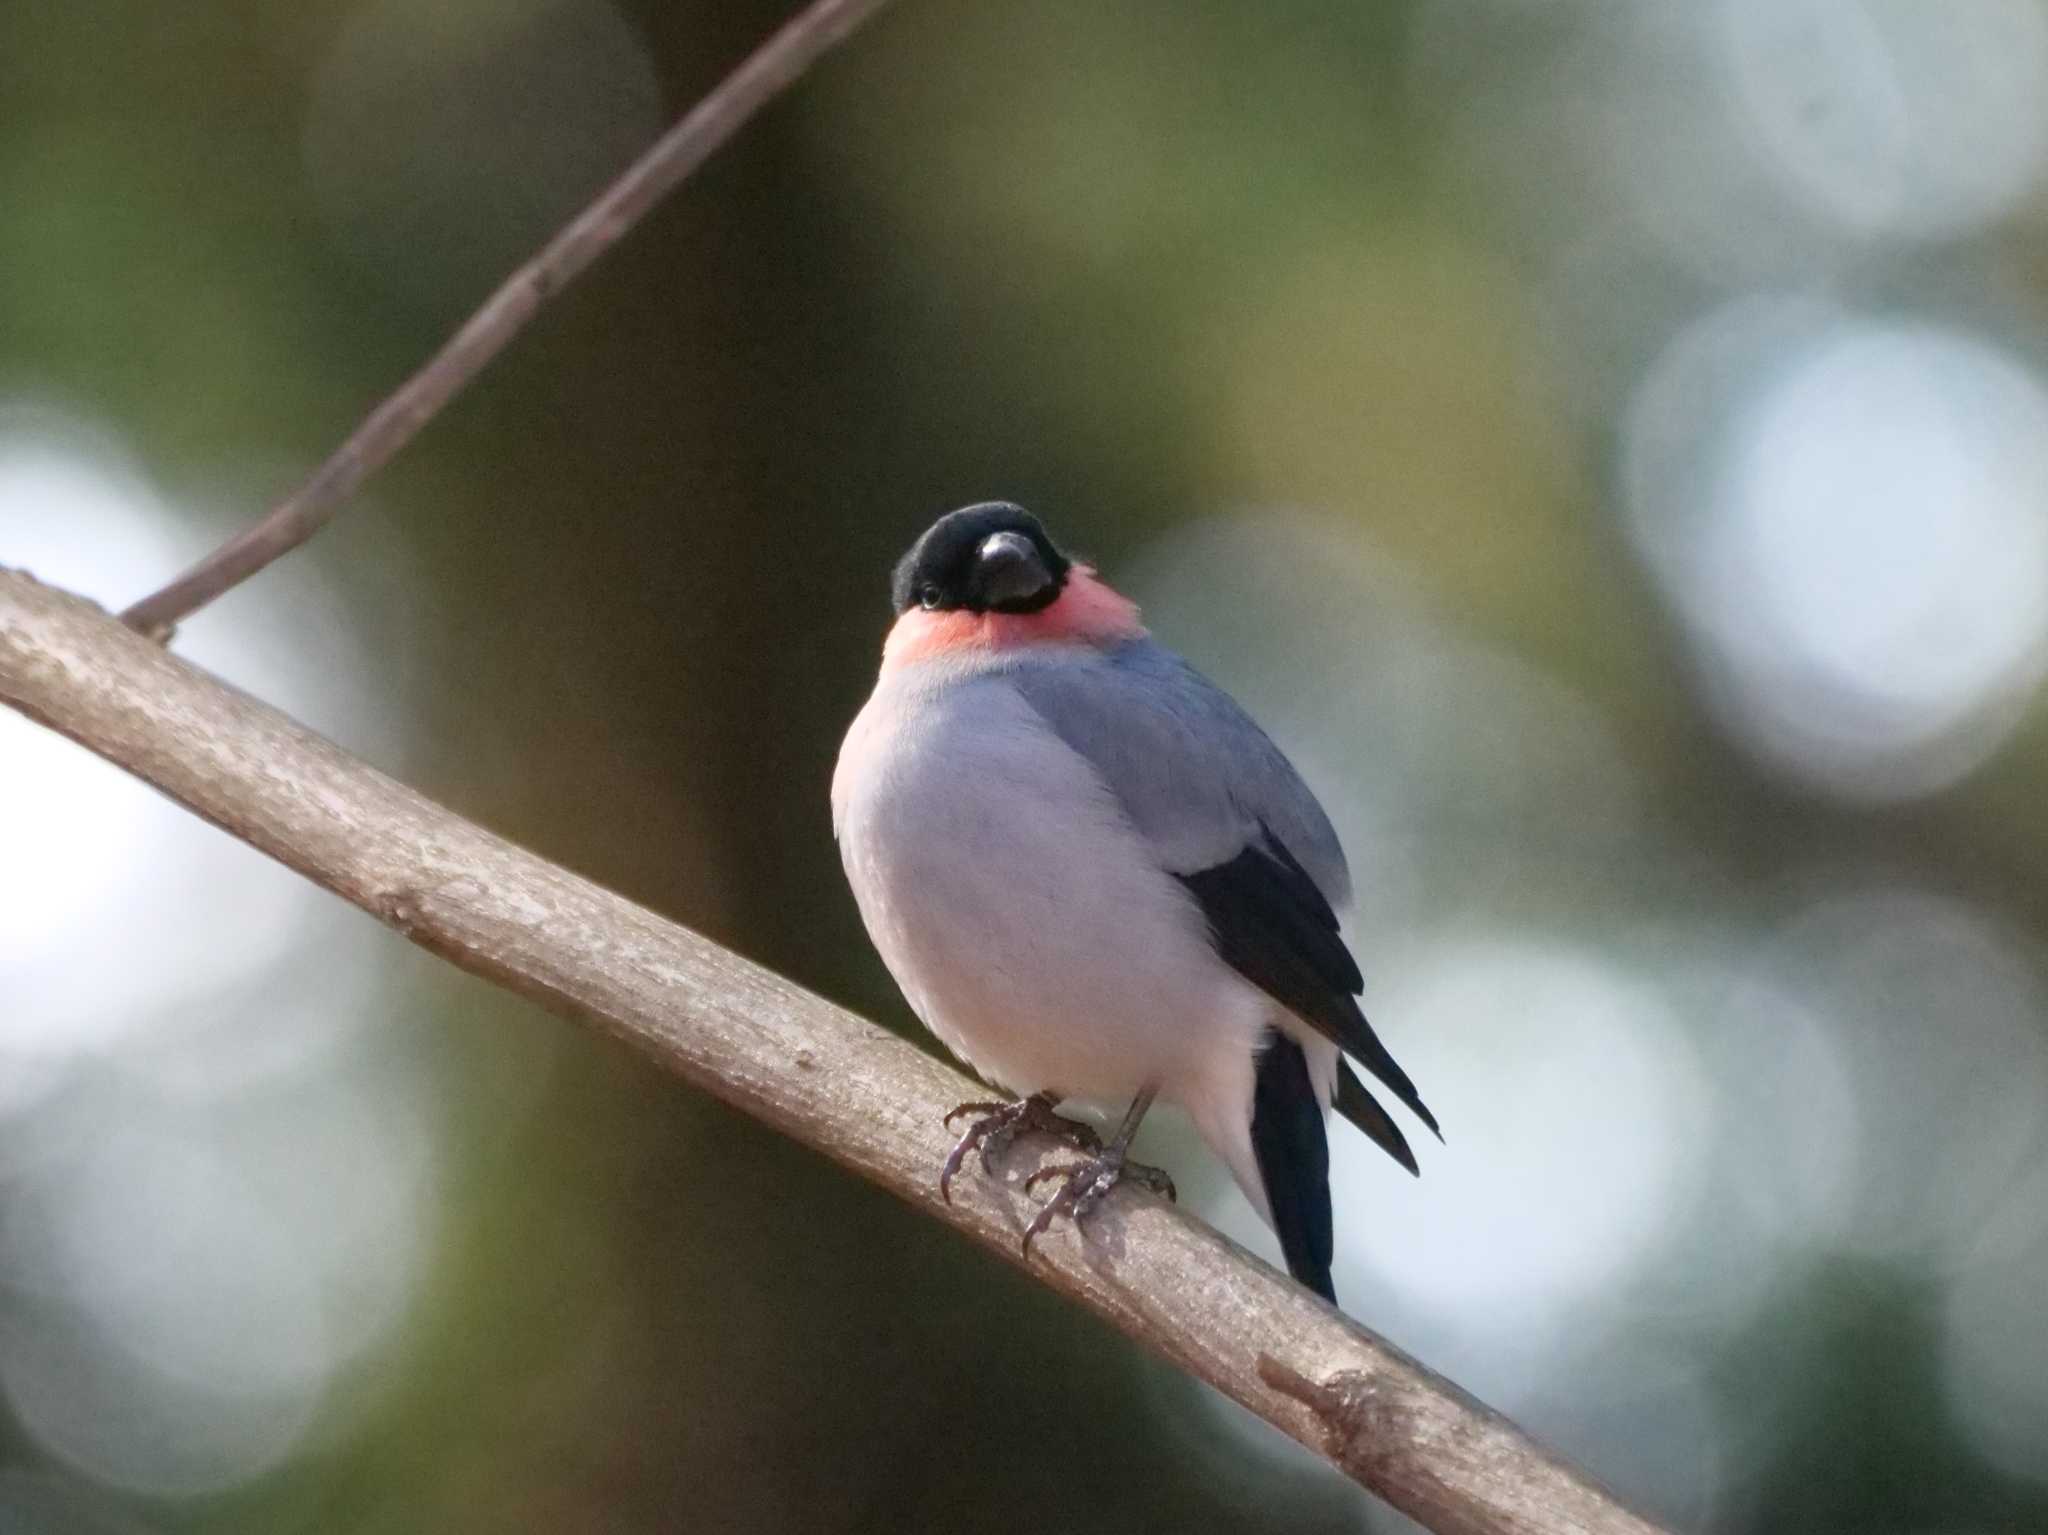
(1272, 925)
(1364, 1111)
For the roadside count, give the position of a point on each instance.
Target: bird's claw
(987, 1107)
(997, 1124)
(1086, 1184)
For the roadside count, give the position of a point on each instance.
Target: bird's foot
(997, 1124)
(1086, 1183)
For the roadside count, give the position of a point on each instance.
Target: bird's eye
(930, 596)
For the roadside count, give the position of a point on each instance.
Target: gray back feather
(1193, 772)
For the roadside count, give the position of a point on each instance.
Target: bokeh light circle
(1577, 1097)
(1890, 117)
(167, 1338)
(1850, 519)
(92, 851)
(215, 1193)
(76, 516)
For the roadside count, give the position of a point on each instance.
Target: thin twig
(767, 72)
(831, 1080)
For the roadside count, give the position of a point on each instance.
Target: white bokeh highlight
(62, 494)
(1850, 519)
(1577, 1099)
(91, 851)
(1741, 141)
(217, 1182)
(1889, 117)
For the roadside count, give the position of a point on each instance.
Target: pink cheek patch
(921, 636)
(1087, 612)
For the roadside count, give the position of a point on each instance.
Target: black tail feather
(1293, 1154)
(1364, 1111)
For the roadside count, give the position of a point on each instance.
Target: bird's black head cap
(989, 558)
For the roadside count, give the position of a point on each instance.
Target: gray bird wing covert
(1193, 772)
(1229, 817)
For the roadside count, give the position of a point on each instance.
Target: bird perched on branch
(1096, 879)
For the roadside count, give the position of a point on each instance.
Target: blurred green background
(1607, 445)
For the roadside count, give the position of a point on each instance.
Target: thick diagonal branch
(765, 74)
(814, 1071)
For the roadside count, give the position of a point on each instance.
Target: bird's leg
(1086, 1182)
(997, 1124)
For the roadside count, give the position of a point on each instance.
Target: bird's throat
(1086, 612)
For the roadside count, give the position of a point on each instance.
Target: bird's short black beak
(1011, 574)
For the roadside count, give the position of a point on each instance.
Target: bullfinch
(1095, 879)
